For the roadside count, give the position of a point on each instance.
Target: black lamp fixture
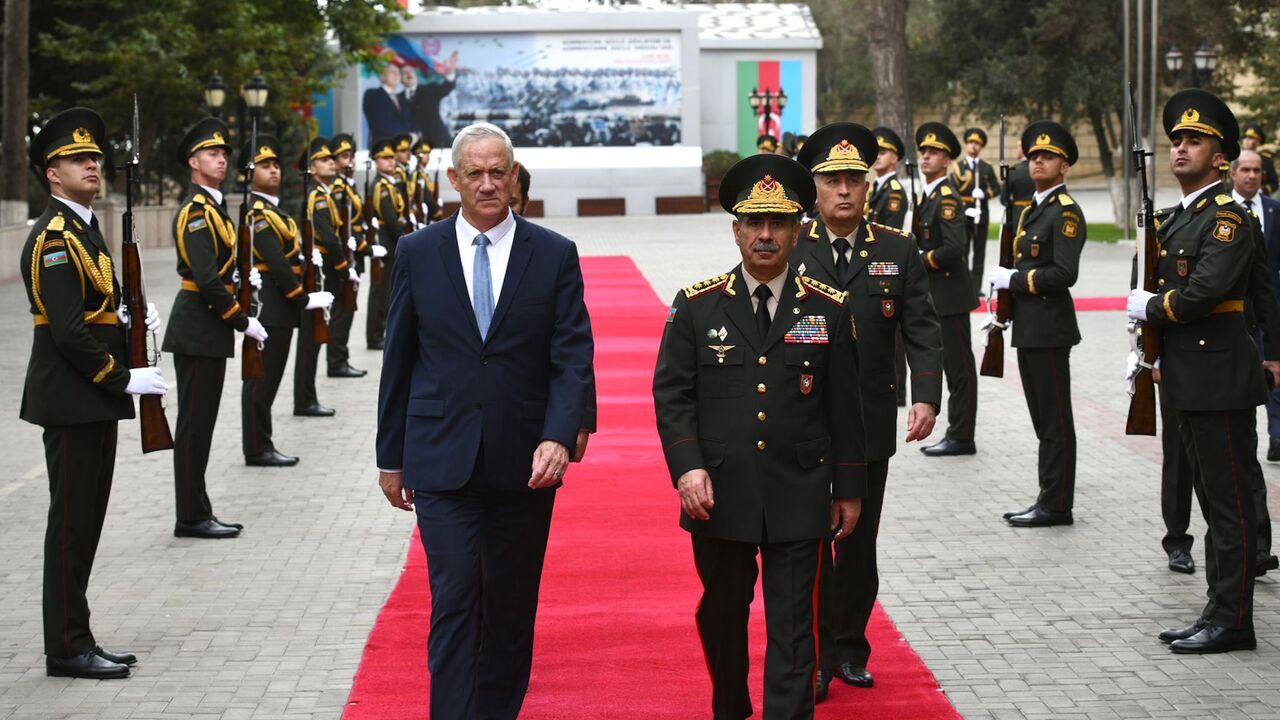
(1203, 62)
(215, 94)
(255, 94)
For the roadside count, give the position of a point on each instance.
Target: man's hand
(378, 251)
(999, 277)
(979, 194)
(352, 244)
(392, 484)
(1137, 304)
(920, 421)
(579, 452)
(1272, 367)
(549, 462)
(317, 258)
(696, 495)
(844, 516)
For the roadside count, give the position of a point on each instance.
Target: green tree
(102, 52)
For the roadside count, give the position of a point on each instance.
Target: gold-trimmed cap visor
(74, 131)
(1049, 136)
(1200, 111)
(767, 185)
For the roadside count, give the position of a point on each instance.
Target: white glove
(319, 300)
(146, 381)
(1131, 366)
(255, 330)
(316, 258)
(352, 244)
(352, 275)
(1138, 300)
(973, 212)
(374, 222)
(153, 318)
(1000, 276)
(378, 251)
(255, 278)
(978, 194)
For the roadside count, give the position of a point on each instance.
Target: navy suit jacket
(446, 392)
(384, 118)
(1271, 234)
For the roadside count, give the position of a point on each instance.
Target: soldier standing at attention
(403, 174)
(78, 382)
(939, 228)
(977, 182)
(323, 214)
(1047, 245)
(888, 206)
(350, 237)
(879, 268)
(277, 255)
(758, 409)
(423, 187)
(387, 207)
(201, 330)
(1209, 363)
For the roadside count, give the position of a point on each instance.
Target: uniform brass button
(886, 289)
(1201, 343)
(760, 388)
(760, 416)
(1164, 253)
(762, 360)
(862, 253)
(1160, 282)
(821, 460)
(1180, 251)
(720, 360)
(760, 445)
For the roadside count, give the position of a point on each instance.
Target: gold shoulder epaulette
(895, 185)
(1223, 199)
(1065, 200)
(259, 205)
(946, 190)
(889, 229)
(824, 290)
(199, 198)
(56, 223)
(702, 287)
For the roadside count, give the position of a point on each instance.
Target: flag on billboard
(768, 76)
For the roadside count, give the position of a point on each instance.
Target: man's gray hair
(481, 131)
(1235, 164)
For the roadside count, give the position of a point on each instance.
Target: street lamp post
(215, 94)
(764, 102)
(1200, 71)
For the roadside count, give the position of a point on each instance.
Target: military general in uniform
(202, 327)
(78, 382)
(759, 414)
(1050, 236)
(1208, 361)
(880, 269)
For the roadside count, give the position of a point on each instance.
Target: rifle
(911, 172)
(1144, 339)
(419, 204)
(349, 287)
(251, 367)
(155, 426)
(319, 324)
(371, 225)
(993, 358)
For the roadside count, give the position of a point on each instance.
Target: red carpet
(616, 635)
(1090, 304)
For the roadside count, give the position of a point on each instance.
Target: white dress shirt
(929, 188)
(501, 238)
(1040, 196)
(1191, 196)
(86, 214)
(880, 181)
(216, 193)
(776, 287)
(1257, 206)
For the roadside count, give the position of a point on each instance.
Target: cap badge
(768, 189)
(217, 136)
(82, 135)
(1043, 139)
(1190, 115)
(844, 151)
(930, 138)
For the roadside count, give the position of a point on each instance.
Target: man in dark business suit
(476, 435)
(423, 101)
(384, 111)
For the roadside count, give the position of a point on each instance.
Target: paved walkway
(1055, 623)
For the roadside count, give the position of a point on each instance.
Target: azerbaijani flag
(770, 75)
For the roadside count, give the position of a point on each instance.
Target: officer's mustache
(765, 246)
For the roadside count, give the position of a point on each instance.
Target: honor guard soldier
(201, 330)
(387, 206)
(404, 155)
(1208, 361)
(888, 202)
(78, 382)
(1021, 187)
(348, 207)
(940, 230)
(766, 145)
(1047, 245)
(976, 180)
(879, 268)
(322, 212)
(277, 255)
(423, 187)
(1253, 138)
(756, 392)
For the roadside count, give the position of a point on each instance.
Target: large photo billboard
(544, 89)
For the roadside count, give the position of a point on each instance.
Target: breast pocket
(1177, 263)
(721, 372)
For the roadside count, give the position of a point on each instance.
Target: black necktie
(842, 246)
(763, 321)
(1248, 205)
(93, 223)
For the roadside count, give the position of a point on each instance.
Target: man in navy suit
(486, 374)
(1246, 179)
(384, 110)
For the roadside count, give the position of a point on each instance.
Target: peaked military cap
(422, 146)
(1203, 112)
(207, 133)
(939, 137)
(800, 141)
(839, 146)
(767, 185)
(70, 132)
(887, 139)
(974, 134)
(317, 150)
(768, 143)
(268, 149)
(1049, 136)
(382, 148)
(1253, 130)
(404, 141)
(342, 142)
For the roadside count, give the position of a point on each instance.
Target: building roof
(734, 25)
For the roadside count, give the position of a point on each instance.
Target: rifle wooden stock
(154, 424)
(1142, 406)
(319, 326)
(251, 367)
(993, 358)
(375, 264)
(419, 204)
(349, 287)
